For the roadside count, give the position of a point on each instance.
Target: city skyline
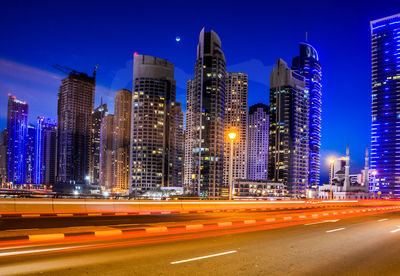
(115, 70)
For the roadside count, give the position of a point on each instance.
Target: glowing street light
(232, 136)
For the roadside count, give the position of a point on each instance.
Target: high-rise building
(30, 147)
(236, 90)
(154, 91)
(106, 151)
(3, 157)
(385, 157)
(190, 141)
(205, 125)
(74, 124)
(94, 161)
(122, 134)
(17, 126)
(46, 151)
(307, 64)
(177, 145)
(289, 131)
(257, 142)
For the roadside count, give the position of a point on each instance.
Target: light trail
(204, 257)
(395, 230)
(324, 221)
(385, 219)
(334, 230)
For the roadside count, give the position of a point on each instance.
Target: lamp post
(232, 136)
(331, 163)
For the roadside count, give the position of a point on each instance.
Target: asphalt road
(367, 245)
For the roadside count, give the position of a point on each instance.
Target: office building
(289, 131)
(17, 126)
(177, 145)
(46, 151)
(205, 126)
(106, 165)
(307, 64)
(3, 157)
(257, 142)
(236, 90)
(385, 146)
(94, 161)
(74, 126)
(30, 148)
(153, 92)
(122, 134)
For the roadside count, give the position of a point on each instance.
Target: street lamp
(331, 163)
(232, 136)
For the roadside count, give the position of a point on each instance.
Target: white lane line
(334, 230)
(382, 219)
(324, 221)
(204, 257)
(395, 230)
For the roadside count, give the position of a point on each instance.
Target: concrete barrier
(69, 206)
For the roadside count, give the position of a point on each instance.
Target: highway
(365, 244)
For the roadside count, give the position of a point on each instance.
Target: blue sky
(80, 34)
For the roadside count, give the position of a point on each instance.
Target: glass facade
(385, 153)
(17, 126)
(307, 64)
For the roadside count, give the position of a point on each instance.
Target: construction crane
(68, 71)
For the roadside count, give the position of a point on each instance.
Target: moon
(178, 38)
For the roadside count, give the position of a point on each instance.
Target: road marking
(287, 218)
(324, 221)
(382, 219)
(250, 221)
(204, 257)
(269, 219)
(395, 230)
(194, 226)
(334, 230)
(302, 217)
(223, 224)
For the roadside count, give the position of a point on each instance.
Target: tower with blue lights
(385, 157)
(307, 64)
(46, 151)
(17, 126)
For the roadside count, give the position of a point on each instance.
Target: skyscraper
(3, 156)
(236, 90)
(205, 127)
(46, 151)
(153, 97)
(122, 134)
(177, 145)
(94, 161)
(190, 141)
(106, 152)
(258, 137)
(307, 64)
(17, 126)
(30, 147)
(385, 158)
(74, 124)
(289, 131)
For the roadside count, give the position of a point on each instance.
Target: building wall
(176, 146)
(46, 151)
(258, 137)
(75, 105)
(236, 91)
(385, 159)
(154, 91)
(307, 64)
(191, 122)
(122, 133)
(206, 98)
(289, 132)
(106, 177)
(30, 147)
(94, 160)
(17, 126)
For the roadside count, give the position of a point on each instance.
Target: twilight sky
(35, 35)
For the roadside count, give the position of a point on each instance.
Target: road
(365, 245)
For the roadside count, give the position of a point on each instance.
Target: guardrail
(57, 206)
